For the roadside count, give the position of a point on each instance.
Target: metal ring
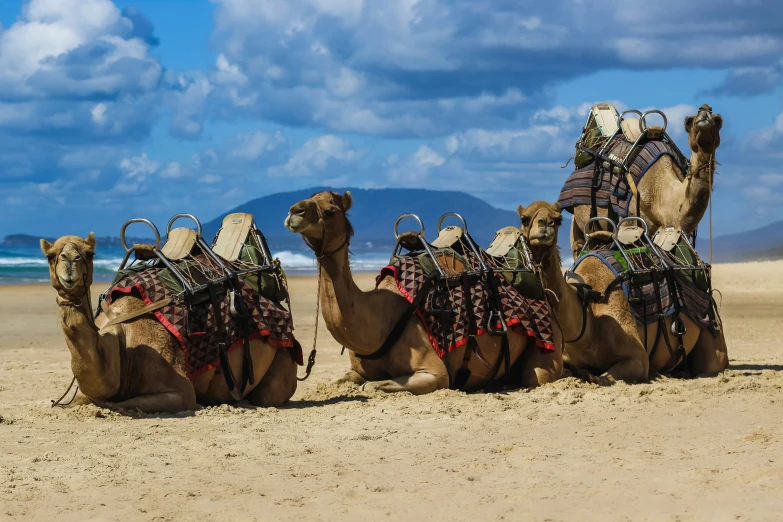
(634, 218)
(621, 117)
(189, 216)
(596, 220)
(139, 220)
(453, 214)
(414, 216)
(654, 111)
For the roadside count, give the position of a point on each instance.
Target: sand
(703, 449)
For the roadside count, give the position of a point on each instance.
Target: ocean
(27, 265)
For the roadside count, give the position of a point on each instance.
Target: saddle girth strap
(225, 365)
(402, 323)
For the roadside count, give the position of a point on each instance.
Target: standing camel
(667, 196)
(138, 364)
(361, 321)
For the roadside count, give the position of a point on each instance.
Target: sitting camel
(669, 198)
(138, 364)
(361, 321)
(540, 225)
(604, 336)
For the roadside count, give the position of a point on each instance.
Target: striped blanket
(614, 189)
(693, 302)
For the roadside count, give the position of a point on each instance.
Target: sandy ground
(705, 449)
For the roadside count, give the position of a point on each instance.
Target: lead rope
(311, 357)
(59, 402)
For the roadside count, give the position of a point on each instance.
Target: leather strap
(402, 323)
(131, 315)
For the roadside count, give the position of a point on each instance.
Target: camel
(361, 321)
(668, 198)
(604, 335)
(540, 226)
(138, 365)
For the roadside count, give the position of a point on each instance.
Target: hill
(375, 211)
(763, 243)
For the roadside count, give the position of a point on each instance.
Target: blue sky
(111, 110)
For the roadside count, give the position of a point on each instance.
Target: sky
(146, 108)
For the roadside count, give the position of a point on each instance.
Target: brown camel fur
(152, 376)
(614, 344)
(361, 321)
(540, 226)
(667, 197)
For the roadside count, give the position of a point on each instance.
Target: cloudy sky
(110, 109)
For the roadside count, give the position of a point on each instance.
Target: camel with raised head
(667, 196)
(139, 364)
(361, 321)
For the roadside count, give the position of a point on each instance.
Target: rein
(319, 257)
(70, 302)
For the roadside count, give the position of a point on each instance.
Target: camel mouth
(67, 283)
(297, 228)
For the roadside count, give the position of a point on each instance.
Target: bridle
(319, 256)
(63, 301)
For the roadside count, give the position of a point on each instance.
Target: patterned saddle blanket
(197, 331)
(614, 191)
(641, 294)
(449, 331)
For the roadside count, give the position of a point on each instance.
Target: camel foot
(165, 402)
(351, 376)
(417, 383)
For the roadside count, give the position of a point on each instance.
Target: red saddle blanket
(269, 321)
(522, 314)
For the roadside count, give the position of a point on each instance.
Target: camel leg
(278, 383)
(163, 402)
(577, 239)
(351, 376)
(541, 366)
(623, 339)
(417, 383)
(709, 356)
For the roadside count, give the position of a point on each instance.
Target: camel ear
(718, 119)
(90, 240)
(688, 123)
(557, 206)
(347, 201)
(45, 246)
(520, 211)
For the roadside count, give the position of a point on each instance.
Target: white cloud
(316, 154)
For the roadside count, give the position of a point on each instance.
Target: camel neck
(697, 191)
(567, 306)
(349, 313)
(89, 361)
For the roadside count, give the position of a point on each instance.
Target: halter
(319, 257)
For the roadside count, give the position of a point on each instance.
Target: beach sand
(702, 449)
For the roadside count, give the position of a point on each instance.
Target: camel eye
(329, 213)
(525, 221)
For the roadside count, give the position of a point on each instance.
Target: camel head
(70, 263)
(322, 220)
(540, 223)
(704, 130)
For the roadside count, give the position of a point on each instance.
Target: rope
(59, 401)
(311, 357)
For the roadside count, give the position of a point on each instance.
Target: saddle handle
(634, 218)
(189, 216)
(629, 111)
(599, 219)
(414, 216)
(643, 123)
(139, 220)
(453, 214)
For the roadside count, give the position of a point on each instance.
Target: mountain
(374, 212)
(763, 243)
